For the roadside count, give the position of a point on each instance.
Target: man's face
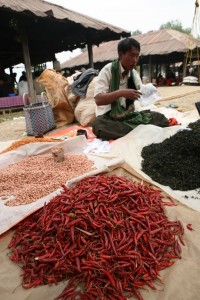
(130, 59)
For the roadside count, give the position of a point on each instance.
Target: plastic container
(58, 154)
(82, 132)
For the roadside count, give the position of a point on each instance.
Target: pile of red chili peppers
(106, 234)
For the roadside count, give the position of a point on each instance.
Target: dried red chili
(105, 231)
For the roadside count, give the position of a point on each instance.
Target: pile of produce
(26, 141)
(108, 235)
(36, 176)
(175, 162)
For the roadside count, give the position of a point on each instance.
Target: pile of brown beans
(36, 176)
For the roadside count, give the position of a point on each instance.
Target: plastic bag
(149, 94)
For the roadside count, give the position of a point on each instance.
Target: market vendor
(116, 89)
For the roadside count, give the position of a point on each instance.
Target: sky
(130, 15)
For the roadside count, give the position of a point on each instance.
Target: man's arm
(103, 95)
(108, 98)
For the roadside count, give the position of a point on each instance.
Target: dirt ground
(183, 96)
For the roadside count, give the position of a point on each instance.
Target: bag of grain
(85, 109)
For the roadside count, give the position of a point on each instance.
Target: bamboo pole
(90, 55)
(27, 63)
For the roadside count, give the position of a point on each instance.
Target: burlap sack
(55, 85)
(85, 109)
(72, 98)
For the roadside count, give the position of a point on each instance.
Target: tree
(176, 25)
(136, 32)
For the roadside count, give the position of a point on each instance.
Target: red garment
(173, 121)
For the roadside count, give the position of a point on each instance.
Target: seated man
(116, 89)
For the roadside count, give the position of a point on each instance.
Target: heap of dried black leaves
(176, 161)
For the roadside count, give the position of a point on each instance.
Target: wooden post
(150, 69)
(141, 70)
(185, 65)
(90, 55)
(27, 63)
(156, 71)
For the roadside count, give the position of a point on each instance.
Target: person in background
(160, 80)
(23, 76)
(22, 85)
(14, 82)
(117, 88)
(13, 77)
(170, 77)
(6, 84)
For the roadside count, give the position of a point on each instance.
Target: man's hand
(108, 98)
(131, 94)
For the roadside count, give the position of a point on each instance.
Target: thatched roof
(50, 29)
(163, 42)
(166, 41)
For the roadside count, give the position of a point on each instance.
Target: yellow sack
(55, 85)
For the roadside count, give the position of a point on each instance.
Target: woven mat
(70, 132)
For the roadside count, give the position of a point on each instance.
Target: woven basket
(38, 116)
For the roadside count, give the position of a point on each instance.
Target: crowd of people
(9, 86)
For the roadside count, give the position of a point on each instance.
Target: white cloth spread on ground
(97, 146)
(127, 149)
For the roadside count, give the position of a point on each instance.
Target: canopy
(33, 31)
(50, 29)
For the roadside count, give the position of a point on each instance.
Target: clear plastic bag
(149, 94)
